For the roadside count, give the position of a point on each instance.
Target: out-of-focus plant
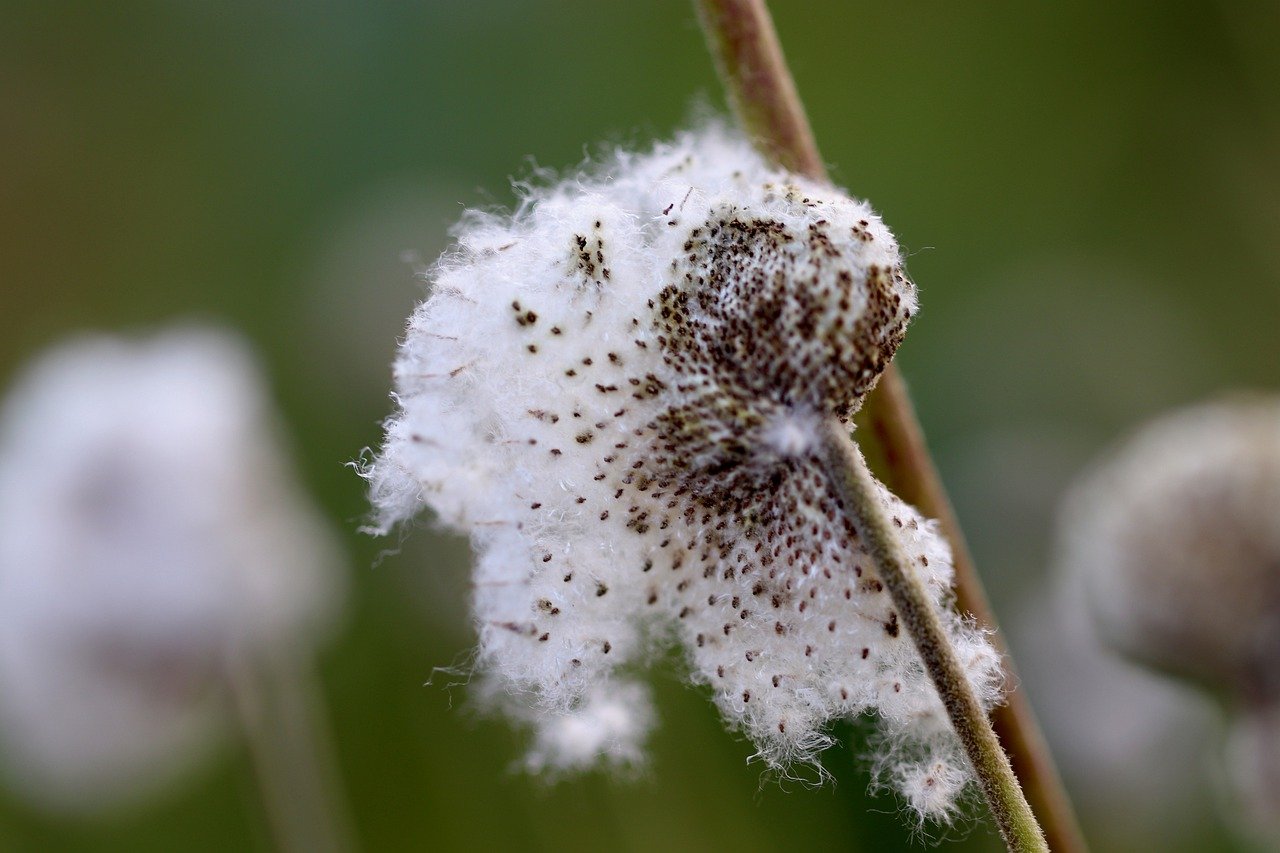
(1177, 540)
(158, 567)
(635, 395)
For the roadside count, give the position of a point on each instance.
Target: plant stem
(899, 454)
(745, 45)
(278, 710)
(857, 490)
(749, 57)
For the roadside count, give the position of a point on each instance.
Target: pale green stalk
(862, 506)
(279, 709)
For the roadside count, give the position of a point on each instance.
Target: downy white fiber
(614, 391)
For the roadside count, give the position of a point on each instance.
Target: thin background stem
(278, 705)
(760, 87)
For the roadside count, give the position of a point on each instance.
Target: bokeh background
(1089, 191)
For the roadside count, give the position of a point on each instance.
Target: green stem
(745, 45)
(897, 450)
(857, 490)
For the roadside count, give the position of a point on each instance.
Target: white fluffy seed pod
(150, 532)
(615, 392)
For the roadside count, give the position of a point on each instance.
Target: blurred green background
(1089, 192)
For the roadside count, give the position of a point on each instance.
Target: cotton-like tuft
(607, 725)
(151, 535)
(616, 392)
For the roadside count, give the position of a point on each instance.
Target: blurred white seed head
(614, 392)
(1127, 741)
(150, 530)
(1177, 539)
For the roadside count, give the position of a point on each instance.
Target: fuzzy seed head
(1178, 539)
(150, 531)
(615, 392)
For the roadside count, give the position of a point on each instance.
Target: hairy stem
(898, 453)
(857, 490)
(741, 36)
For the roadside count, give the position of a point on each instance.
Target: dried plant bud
(150, 531)
(1178, 536)
(615, 392)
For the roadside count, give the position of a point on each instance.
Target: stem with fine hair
(745, 45)
(897, 444)
(860, 502)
